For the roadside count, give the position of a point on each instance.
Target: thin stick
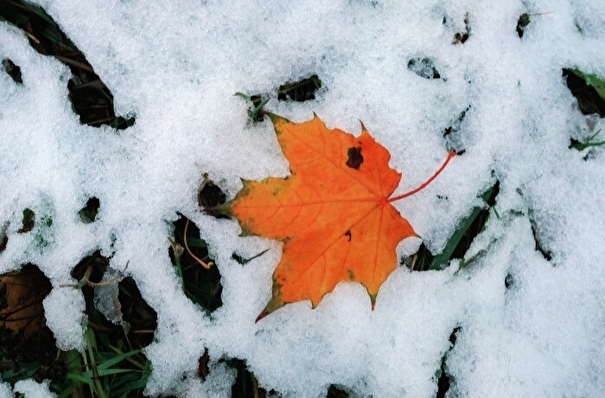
(427, 182)
(201, 262)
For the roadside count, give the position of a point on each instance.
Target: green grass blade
(85, 377)
(128, 388)
(109, 372)
(117, 359)
(440, 260)
(593, 80)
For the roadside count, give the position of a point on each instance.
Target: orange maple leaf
(333, 213)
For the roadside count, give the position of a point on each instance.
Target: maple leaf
(333, 213)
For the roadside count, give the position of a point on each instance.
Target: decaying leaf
(21, 295)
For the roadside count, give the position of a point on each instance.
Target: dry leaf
(333, 213)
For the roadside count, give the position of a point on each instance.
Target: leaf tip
(373, 301)
(275, 119)
(363, 127)
(260, 316)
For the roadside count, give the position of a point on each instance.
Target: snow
(31, 389)
(177, 64)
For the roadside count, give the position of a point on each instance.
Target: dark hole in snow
(245, 384)
(12, 70)
(444, 379)
(28, 221)
(336, 392)
(90, 97)
(202, 366)
(300, 91)
(509, 281)
(453, 133)
(89, 212)
(3, 237)
(355, 158)
(539, 248)
(584, 88)
(139, 315)
(257, 104)
(210, 195)
(140, 318)
(97, 264)
(420, 261)
(201, 285)
(424, 67)
(462, 37)
(522, 22)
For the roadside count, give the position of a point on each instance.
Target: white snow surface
(176, 65)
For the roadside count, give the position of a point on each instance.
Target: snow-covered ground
(176, 65)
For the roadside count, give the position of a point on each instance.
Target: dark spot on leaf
(348, 235)
(351, 274)
(355, 159)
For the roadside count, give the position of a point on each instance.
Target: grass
(461, 239)
(112, 365)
